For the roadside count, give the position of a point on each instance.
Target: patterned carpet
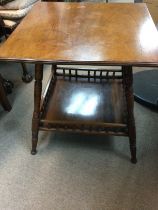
(72, 171)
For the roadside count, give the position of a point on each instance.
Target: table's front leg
(128, 85)
(37, 101)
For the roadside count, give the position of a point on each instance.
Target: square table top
(85, 33)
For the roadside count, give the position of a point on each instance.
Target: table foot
(26, 76)
(133, 151)
(134, 160)
(33, 152)
(34, 145)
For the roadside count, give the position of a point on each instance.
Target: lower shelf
(86, 106)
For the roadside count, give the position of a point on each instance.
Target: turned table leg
(37, 101)
(128, 85)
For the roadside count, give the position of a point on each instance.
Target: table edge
(68, 62)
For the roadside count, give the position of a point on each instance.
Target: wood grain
(117, 34)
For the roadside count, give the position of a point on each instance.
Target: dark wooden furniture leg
(128, 85)
(7, 85)
(37, 101)
(3, 98)
(26, 76)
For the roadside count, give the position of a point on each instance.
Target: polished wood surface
(117, 34)
(86, 106)
(82, 101)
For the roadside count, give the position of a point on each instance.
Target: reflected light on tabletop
(83, 104)
(87, 52)
(148, 36)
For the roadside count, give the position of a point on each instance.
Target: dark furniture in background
(6, 30)
(5, 85)
(146, 88)
(3, 97)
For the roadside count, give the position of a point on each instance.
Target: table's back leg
(37, 101)
(128, 85)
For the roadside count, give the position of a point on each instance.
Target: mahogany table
(90, 98)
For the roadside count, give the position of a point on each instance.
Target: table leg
(37, 101)
(128, 85)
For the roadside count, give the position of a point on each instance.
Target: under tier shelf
(85, 106)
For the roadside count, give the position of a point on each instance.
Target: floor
(73, 171)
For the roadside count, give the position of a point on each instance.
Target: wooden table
(89, 100)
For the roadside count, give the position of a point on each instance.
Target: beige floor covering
(72, 171)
